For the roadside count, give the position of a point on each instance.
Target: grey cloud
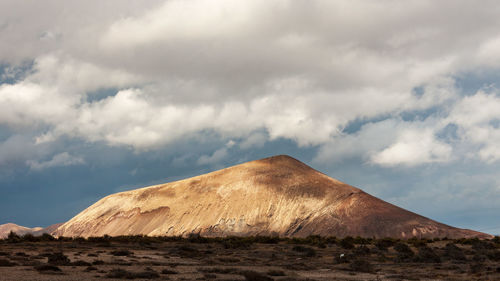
(215, 158)
(61, 159)
(296, 70)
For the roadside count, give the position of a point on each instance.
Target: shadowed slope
(273, 196)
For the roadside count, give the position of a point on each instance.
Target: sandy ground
(219, 261)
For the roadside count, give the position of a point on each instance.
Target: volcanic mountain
(273, 196)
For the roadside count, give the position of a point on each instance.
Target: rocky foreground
(248, 258)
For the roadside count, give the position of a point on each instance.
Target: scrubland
(247, 258)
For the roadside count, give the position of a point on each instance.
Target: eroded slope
(273, 196)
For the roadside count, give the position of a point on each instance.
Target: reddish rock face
(273, 196)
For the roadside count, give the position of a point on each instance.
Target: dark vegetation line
(314, 240)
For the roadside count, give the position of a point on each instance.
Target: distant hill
(5, 229)
(274, 196)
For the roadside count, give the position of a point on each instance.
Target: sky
(398, 98)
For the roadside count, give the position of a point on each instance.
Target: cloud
(414, 147)
(478, 118)
(371, 138)
(215, 158)
(256, 139)
(286, 69)
(59, 160)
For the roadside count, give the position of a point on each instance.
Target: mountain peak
(279, 158)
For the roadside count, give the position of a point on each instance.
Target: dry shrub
(453, 252)
(476, 267)
(219, 270)
(121, 253)
(81, 263)
(384, 243)
(58, 259)
(255, 276)
(493, 255)
(168, 271)
(405, 254)
(361, 265)
(274, 272)
(5, 263)
(186, 251)
(228, 259)
(90, 268)
(427, 255)
(209, 275)
(361, 251)
(309, 252)
(480, 245)
(124, 274)
(347, 242)
(47, 268)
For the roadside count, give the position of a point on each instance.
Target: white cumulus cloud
(414, 147)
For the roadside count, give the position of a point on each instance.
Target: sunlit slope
(273, 196)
